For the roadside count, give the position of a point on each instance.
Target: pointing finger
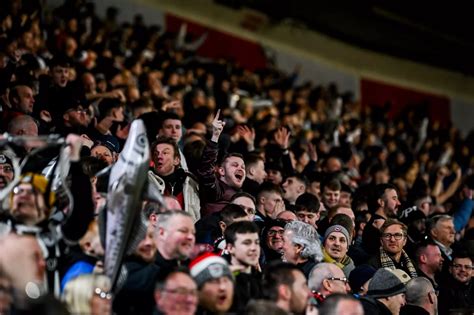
(217, 115)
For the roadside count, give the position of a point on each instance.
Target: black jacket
(373, 307)
(136, 294)
(409, 309)
(454, 294)
(306, 267)
(250, 186)
(247, 287)
(214, 193)
(371, 236)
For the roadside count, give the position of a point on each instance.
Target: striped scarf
(387, 262)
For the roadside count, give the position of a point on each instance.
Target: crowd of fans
(279, 198)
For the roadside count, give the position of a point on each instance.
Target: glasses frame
(18, 191)
(396, 236)
(273, 233)
(181, 291)
(345, 280)
(459, 266)
(6, 168)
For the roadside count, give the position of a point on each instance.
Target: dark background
(437, 34)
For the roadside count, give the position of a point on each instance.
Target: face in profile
(300, 293)
(290, 251)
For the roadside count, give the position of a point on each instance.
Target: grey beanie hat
(337, 228)
(385, 283)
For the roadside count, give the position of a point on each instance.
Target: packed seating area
(138, 177)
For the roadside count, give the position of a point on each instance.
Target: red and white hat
(207, 267)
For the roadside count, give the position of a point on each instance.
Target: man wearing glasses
(458, 291)
(272, 238)
(176, 293)
(391, 254)
(383, 204)
(326, 279)
(74, 118)
(6, 170)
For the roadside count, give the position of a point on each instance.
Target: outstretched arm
(206, 170)
(83, 211)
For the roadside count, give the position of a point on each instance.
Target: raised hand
(86, 141)
(313, 154)
(279, 207)
(282, 137)
(217, 127)
(248, 134)
(171, 106)
(73, 150)
(45, 116)
(118, 94)
(122, 132)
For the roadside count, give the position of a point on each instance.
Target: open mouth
(239, 176)
(24, 203)
(221, 299)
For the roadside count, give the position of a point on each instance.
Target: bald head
(318, 279)
(23, 125)
(417, 290)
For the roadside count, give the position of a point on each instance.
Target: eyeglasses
(103, 294)
(436, 292)
(397, 236)
(6, 169)
(19, 190)
(182, 291)
(273, 232)
(78, 110)
(345, 280)
(467, 267)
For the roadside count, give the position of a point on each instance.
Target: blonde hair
(79, 291)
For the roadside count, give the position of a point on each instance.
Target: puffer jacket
(190, 192)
